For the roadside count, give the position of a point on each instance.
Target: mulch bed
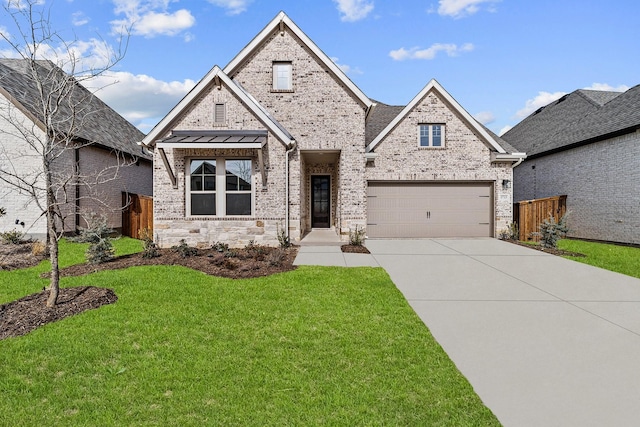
(234, 264)
(354, 249)
(552, 251)
(26, 314)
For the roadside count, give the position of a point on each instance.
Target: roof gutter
(516, 158)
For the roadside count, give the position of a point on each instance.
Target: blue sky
(500, 59)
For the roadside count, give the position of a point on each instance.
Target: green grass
(315, 346)
(622, 259)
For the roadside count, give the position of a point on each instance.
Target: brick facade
(601, 181)
(325, 115)
(465, 158)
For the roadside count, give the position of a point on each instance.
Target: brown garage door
(401, 209)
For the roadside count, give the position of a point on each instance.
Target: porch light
(506, 184)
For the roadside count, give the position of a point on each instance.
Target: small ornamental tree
(551, 231)
(59, 107)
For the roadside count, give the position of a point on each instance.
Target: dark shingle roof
(97, 122)
(379, 117)
(580, 117)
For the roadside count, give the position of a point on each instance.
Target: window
(282, 76)
(203, 187)
(219, 114)
(238, 187)
(431, 135)
(219, 187)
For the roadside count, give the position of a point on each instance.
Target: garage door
(404, 209)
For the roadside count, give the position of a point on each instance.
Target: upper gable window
(282, 77)
(431, 135)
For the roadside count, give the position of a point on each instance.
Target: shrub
(256, 251)
(220, 247)
(276, 256)
(356, 237)
(38, 248)
(512, 232)
(100, 251)
(150, 248)
(283, 239)
(14, 237)
(185, 250)
(96, 230)
(552, 231)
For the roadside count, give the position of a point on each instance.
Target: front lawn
(622, 259)
(315, 346)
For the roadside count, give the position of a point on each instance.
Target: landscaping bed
(26, 314)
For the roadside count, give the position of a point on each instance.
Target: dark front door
(320, 201)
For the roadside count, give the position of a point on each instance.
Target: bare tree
(51, 116)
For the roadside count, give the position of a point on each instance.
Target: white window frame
(221, 187)
(282, 69)
(430, 128)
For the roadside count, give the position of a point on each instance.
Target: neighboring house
(586, 145)
(104, 161)
(281, 141)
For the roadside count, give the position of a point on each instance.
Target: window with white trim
(282, 76)
(219, 187)
(431, 135)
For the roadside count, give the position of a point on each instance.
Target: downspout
(286, 179)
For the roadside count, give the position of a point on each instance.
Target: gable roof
(97, 122)
(278, 23)
(579, 118)
(433, 85)
(210, 78)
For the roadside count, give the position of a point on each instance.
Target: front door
(320, 201)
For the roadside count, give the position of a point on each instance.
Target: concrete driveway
(543, 340)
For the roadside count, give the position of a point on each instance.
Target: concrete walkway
(544, 341)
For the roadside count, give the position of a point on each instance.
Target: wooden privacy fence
(529, 214)
(137, 214)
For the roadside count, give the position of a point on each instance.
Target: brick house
(91, 176)
(586, 145)
(281, 139)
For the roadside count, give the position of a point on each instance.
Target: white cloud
(79, 18)
(75, 57)
(431, 52)
(150, 18)
(485, 117)
(607, 87)
(346, 68)
(542, 99)
(354, 10)
(141, 99)
(504, 130)
(460, 8)
(233, 7)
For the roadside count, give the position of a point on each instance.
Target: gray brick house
(103, 143)
(586, 145)
(281, 139)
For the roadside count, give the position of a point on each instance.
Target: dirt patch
(354, 249)
(552, 251)
(26, 314)
(23, 255)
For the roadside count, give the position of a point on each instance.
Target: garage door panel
(429, 210)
